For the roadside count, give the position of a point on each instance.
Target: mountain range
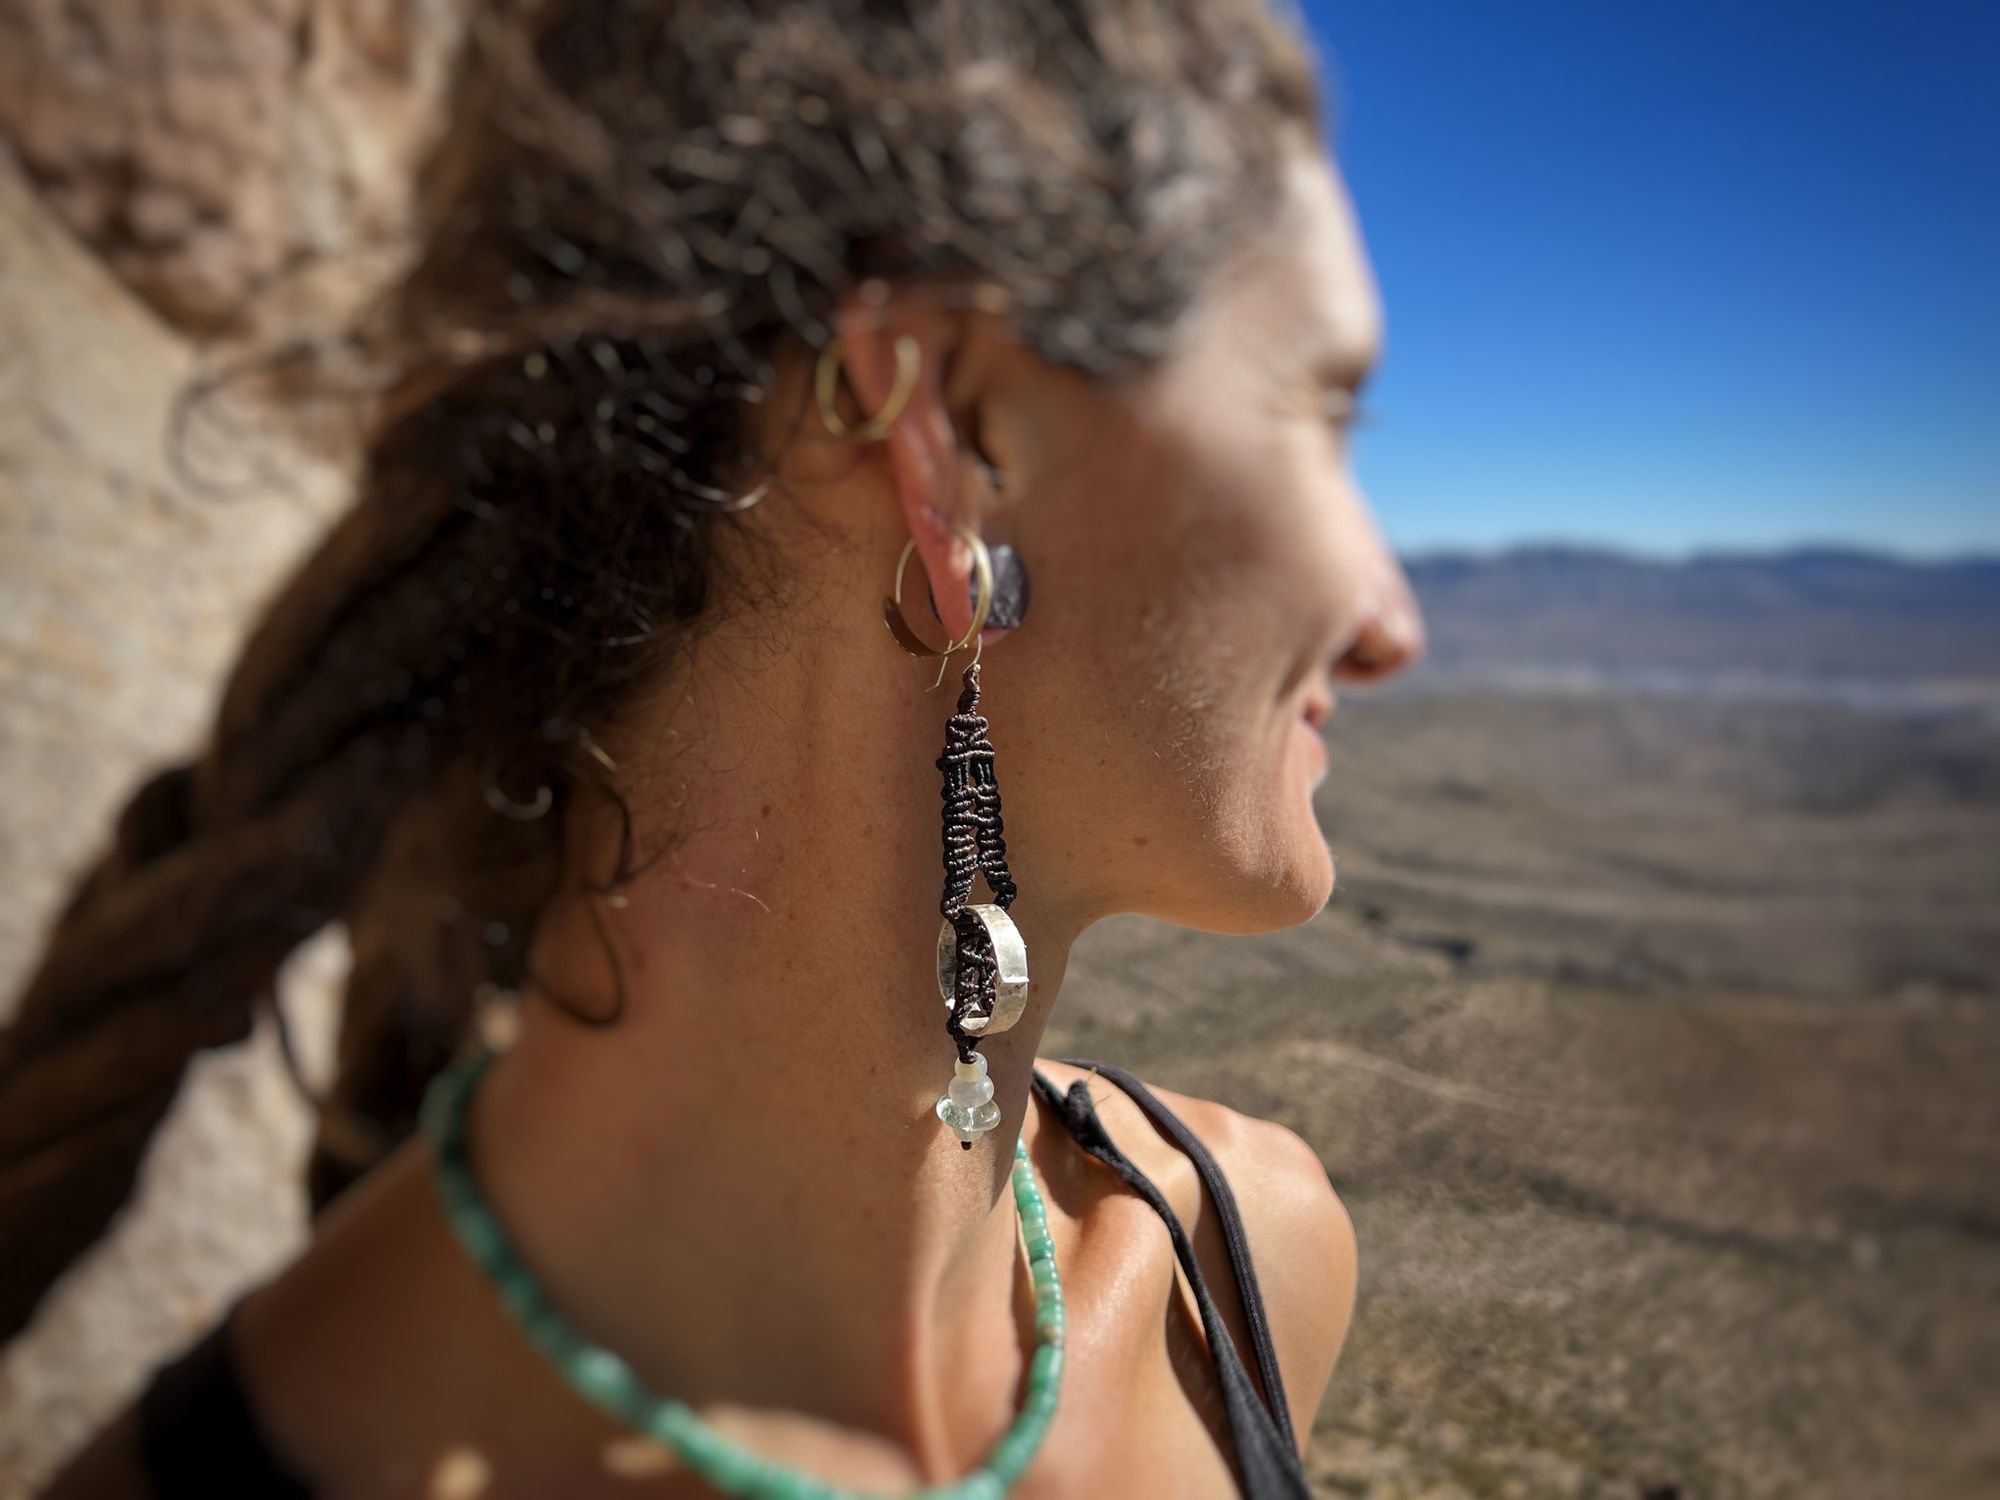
(1813, 621)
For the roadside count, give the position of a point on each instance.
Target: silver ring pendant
(1010, 959)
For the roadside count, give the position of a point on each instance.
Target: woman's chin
(1306, 876)
(1291, 887)
(1264, 864)
(1292, 879)
(1311, 887)
(1309, 867)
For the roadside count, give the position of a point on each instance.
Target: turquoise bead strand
(608, 1383)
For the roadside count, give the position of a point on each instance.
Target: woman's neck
(739, 1183)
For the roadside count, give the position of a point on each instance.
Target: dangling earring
(982, 959)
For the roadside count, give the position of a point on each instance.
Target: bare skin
(740, 1185)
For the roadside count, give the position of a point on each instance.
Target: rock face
(203, 148)
(165, 165)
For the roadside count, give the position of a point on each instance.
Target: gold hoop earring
(827, 371)
(982, 607)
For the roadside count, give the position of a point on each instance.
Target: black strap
(198, 1437)
(1265, 1448)
(1233, 1234)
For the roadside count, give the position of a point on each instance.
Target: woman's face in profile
(1205, 568)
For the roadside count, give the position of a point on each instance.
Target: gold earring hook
(908, 639)
(982, 565)
(827, 371)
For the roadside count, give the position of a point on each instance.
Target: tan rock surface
(162, 167)
(122, 595)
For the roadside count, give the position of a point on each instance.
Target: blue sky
(1667, 276)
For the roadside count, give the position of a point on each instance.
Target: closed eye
(1340, 377)
(1344, 409)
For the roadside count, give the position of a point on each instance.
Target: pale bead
(974, 1069)
(970, 1093)
(967, 1104)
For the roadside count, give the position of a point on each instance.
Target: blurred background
(1651, 1036)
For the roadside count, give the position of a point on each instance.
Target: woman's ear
(927, 464)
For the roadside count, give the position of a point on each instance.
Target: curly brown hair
(636, 210)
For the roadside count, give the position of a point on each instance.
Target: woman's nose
(1391, 636)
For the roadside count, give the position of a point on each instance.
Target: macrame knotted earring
(982, 960)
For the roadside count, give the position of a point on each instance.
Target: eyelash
(1354, 413)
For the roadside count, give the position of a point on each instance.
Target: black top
(199, 1438)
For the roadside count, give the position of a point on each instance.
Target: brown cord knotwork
(974, 830)
(974, 841)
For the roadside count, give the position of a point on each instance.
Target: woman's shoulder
(1273, 1172)
(1302, 1240)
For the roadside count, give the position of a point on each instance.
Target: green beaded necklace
(604, 1380)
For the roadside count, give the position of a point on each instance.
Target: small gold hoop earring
(908, 639)
(875, 428)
